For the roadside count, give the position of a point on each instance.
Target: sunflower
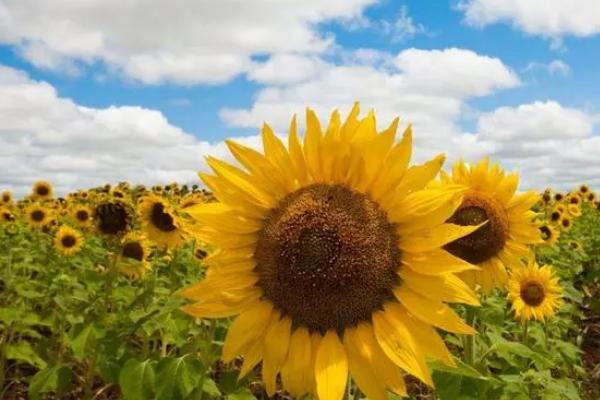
(6, 198)
(42, 190)
(549, 234)
(38, 216)
(160, 222)
(583, 189)
(575, 245)
(565, 223)
(6, 215)
(132, 260)
(574, 210)
(574, 199)
(558, 197)
(113, 217)
(192, 200)
(591, 197)
(534, 292)
(504, 239)
(547, 197)
(555, 216)
(82, 215)
(68, 241)
(331, 252)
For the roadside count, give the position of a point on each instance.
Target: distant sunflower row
(132, 220)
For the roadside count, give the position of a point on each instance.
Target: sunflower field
(328, 267)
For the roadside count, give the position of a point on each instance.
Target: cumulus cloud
(547, 18)
(46, 136)
(425, 87)
(182, 41)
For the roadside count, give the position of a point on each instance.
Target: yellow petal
(246, 330)
(226, 194)
(296, 371)
(435, 262)
(432, 312)
(276, 152)
(433, 238)
(423, 202)
(251, 358)
(431, 220)
(296, 154)
(445, 288)
(331, 368)
(220, 217)
(394, 167)
(312, 144)
(277, 342)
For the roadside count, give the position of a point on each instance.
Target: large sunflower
(331, 252)
(42, 190)
(68, 241)
(509, 227)
(534, 292)
(160, 222)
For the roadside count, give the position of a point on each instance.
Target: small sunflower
(574, 210)
(332, 254)
(82, 215)
(6, 215)
(558, 197)
(6, 198)
(591, 197)
(113, 217)
(133, 256)
(192, 200)
(534, 292)
(160, 222)
(547, 197)
(574, 199)
(575, 245)
(42, 190)
(38, 216)
(583, 189)
(68, 241)
(565, 223)
(503, 240)
(549, 234)
(555, 216)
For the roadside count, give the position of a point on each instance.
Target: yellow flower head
(159, 221)
(565, 223)
(591, 197)
(555, 216)
(574, 245)
(534, 292)
(574, 210)
(549, 234)
(583, 189)
(508, 223)
(38, 216)
(113, 218)
(558, 197)
(6, 198)
(42, 190)
(82, 215)
(68, 241)
(6, 215)
(331, 252)
(133, 255)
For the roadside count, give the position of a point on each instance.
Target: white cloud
(287, 69)
(426, 88)
(183, 41)
(554, 67)
(547, 18)
(45, 136)
(403, 27)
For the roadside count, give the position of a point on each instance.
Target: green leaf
(23, 352)
(210, 388)
(85, 342)
(177, 377)
(137, 380)
(461, 369)
(241, 394)
(54, 379)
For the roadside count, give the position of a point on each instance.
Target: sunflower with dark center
(82, 215)
(113, 217)
(42, 190)
(507, 226)
(591, 197)
(549, 234)
(558, 196)
(575, 245)
(38, 216)
(132, 260)
(575, 200)
(546, 197)
(6, 198)
(159, 221)
(583, 189)
(574, 210)
(555, 216)
(534, 292)
(331, 252)
(565, 223)
(68, 241)
(6, 216)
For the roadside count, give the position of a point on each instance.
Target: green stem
(469, 340)
(525, 334)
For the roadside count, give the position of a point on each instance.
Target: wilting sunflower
(113, 217)
(82, 215)
(68, 241)
(331, 252)
(574, 210)
(565, 223)
(42, 190)
(38, 216)
(549, 234)
(534, 292)
(133, 256)
(160, 222)
(575, 245)
(503, 240)
(6, 198)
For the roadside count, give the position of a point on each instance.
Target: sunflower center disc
(68, 241)
(161, 219)
(546, 232)
(37, 215)
(113, 218)
(532, 293)
(133, 250)
(43, 191)
(327, 257)
(485, 242)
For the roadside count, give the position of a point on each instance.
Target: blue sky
(543, 66)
